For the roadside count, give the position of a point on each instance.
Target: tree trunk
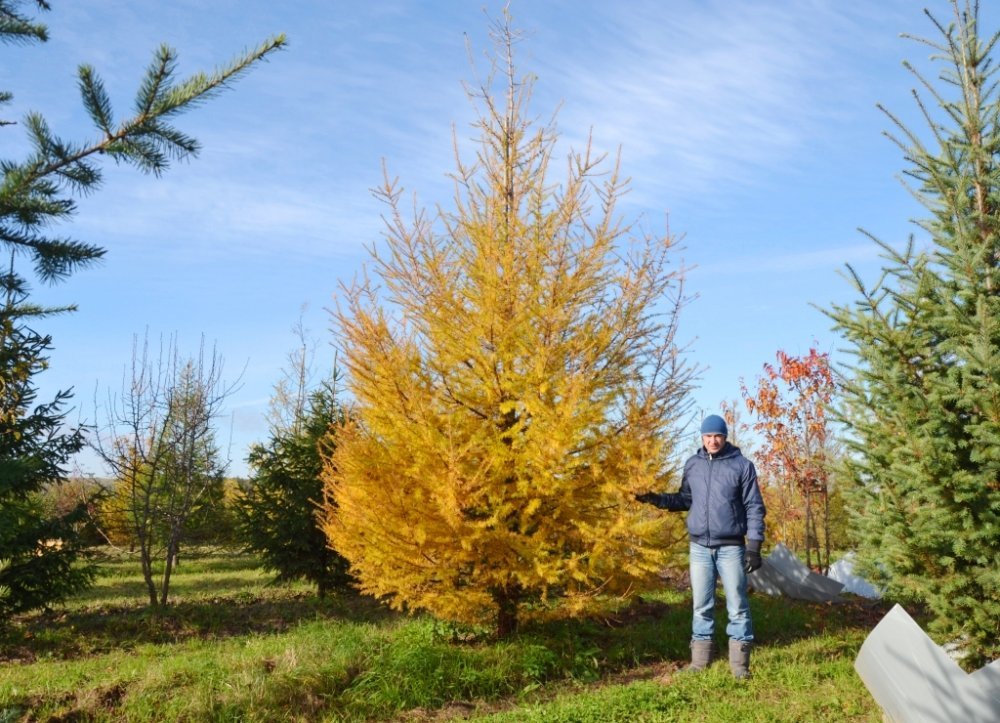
(826, 528)
(322, 581)
(168, 565)
(807, 532)
(506, 598)
(173, 549)
(145, 557)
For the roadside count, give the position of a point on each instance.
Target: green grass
(233, 647)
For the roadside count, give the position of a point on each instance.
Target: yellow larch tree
(517, 379)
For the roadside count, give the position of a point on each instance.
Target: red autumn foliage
(790, 405)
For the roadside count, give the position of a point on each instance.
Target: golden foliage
(516, 380)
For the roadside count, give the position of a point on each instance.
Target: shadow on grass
(656, 630)
(586, 649)
(781, 620)
(70, 634)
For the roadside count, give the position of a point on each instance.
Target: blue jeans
(726, 562)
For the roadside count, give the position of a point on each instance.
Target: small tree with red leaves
(790, 405)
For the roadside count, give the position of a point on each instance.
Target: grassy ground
(232, 647)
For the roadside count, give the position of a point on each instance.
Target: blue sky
(750, 128)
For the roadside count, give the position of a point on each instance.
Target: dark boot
(701, 654)
(739, 658)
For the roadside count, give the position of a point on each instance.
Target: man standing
(725, 522)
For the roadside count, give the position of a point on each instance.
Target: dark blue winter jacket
(722, 498)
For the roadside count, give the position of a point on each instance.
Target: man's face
(713, 442)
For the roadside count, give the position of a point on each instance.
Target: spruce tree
(278, 511)
(37, 552)
(921, 399)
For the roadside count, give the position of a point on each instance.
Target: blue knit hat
(714, 424)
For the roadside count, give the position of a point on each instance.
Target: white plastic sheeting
(784, 574)
(843, 572)
(914, 680)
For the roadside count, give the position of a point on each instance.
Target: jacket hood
(728, 450)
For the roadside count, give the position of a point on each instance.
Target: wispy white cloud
(710, 96)
(785, 262)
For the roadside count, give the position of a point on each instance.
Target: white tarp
(914, 680)
(843, 572)
(784, 574)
